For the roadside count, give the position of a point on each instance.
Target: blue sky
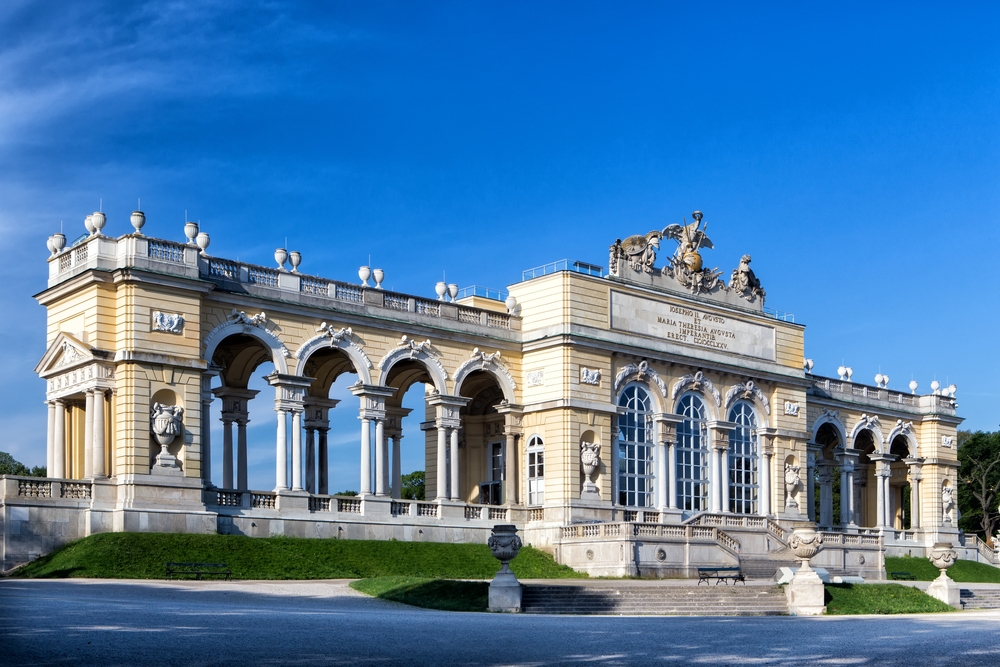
(853, 150)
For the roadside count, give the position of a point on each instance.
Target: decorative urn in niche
(165, 423)
(590, 461)
(505, 589)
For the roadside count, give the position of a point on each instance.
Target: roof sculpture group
(685, 266)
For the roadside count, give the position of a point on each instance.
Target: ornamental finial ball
(841, 371)
(913, 386)
(935, 385)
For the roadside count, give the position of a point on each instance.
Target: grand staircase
(647, 598)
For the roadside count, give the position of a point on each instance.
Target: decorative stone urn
(165, 423)
(191, 232)
(805, 592)
(138, 220)
(590, 461)
(505, 589)
(944, 588)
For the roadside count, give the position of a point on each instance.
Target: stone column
(613, 470)
(767, 453)
(88, 435)
(381, 459)
(713, 482)
(397, 475)
(724, 478)
(454, 463)
(510, 462)
(914, 466)
(826, 494)
(206, 427)
(59, 445)
(241, 452)
(442, 463)
(296, 450)
(100, 436)
(661, 475)
(845, 495)
(281, 452)
(324, 463)
(50, 439)
(310, 459)
(881, 499)
(227, 453)
(366, 456)
(672, 474)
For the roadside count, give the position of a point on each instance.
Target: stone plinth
(805, 592)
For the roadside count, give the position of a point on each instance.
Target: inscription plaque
(691, 326)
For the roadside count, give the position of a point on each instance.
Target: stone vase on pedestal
(505, 589)
(944, 588)
(805, 592)
(590, 461)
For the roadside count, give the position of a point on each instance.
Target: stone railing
(739, 521)
(349, 505)
(986, 551)
(49, 489)
(832, 538)
(227, 271)
(855, 392)
(142, 252)
(28, 488)
(536, 514)
(263, 500)
(651, 530)
(642, 516)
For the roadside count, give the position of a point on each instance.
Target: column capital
(513, 418)
(372, 399)
(289, 390)
(447, 409)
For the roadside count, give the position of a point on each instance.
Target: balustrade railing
(427, 509)
(258, 275)
(76, 490)
(310, 285)
(536, 514)
(220, 268)
(165, 251)
(320, 504)
(32, 489)
(266, 501)
(349, 505)
(226, 498)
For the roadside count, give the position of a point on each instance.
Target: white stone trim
(239, 323)
(492, 364)
(342, 340)
(870, 423)
(422, 352)
(697, 382)
(747, 390)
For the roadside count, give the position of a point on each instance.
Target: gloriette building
(647, 417)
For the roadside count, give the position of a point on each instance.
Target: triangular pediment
(66, 351)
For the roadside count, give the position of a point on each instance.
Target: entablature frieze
(94, 375)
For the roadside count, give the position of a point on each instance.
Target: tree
(413, 485)
(979, 481)
(11, 466)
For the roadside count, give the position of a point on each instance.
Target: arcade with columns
(648, 417)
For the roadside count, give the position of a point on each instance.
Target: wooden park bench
(720, 574)
(198, 570)
(902, 576)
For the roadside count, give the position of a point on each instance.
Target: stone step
(656, 600)
(981, 599)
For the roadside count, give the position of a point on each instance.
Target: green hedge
(965, 571)
(143, 555)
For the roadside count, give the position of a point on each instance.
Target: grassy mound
(143, 555)
(444, 594)
(843, 599)
(965, 571)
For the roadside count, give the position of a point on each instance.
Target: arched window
(635, 452)
(692, 455)
(743, 484)
(536, 471)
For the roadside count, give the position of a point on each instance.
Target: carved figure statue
(947, 502)
(792, 484)
(165, 422)
(686, 264)
(639, 251)
(745, 283)
(257, 320)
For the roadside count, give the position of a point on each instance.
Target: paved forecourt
(87, 622)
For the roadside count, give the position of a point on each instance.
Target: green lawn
(444, 594)
(842, 599)
(143, 555)
(965, 571)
